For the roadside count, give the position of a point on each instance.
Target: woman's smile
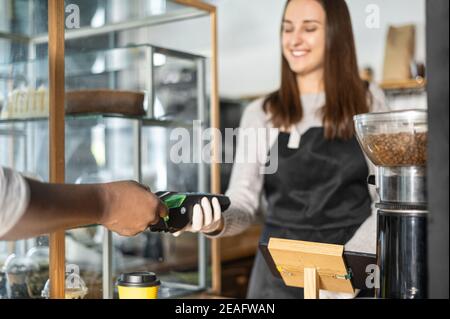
(299, 53)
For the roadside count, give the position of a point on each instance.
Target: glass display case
(101, 144)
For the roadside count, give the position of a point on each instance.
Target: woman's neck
(311, 83)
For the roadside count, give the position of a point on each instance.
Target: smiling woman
(318, 55)
(318, 192)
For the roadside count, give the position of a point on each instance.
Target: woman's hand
(206, 217)
(130, 208)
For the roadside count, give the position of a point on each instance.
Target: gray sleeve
(246, 180)
(14, 199)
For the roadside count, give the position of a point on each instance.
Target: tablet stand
(310, 265)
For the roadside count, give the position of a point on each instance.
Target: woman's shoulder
(254, 114)
(256, 107)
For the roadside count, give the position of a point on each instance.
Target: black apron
(319, 193)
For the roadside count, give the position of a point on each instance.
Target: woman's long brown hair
(346, 94)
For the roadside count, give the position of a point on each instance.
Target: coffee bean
(399, 149)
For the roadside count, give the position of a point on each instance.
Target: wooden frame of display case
(56, 38)
(56, 28)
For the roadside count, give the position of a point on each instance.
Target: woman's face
(303, 36)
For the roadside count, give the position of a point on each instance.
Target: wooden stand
(311, 283)
(312, 266)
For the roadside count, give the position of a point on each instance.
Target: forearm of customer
(54, 207)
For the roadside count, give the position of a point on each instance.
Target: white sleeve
(364, 240)
(246, 179)
(14, 199)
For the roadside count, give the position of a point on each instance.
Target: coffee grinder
(396, 143)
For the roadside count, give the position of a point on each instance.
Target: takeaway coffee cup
(138, 285)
